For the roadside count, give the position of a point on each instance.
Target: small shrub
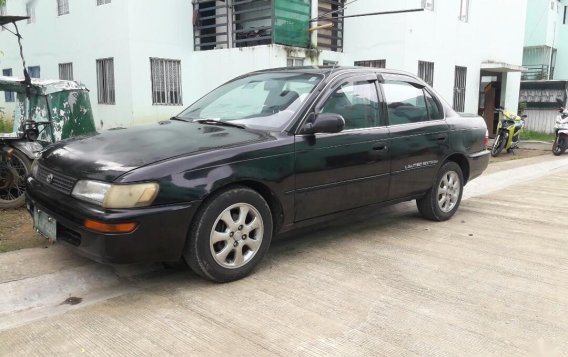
(5, 126)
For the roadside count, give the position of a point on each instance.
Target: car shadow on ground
(301, 243)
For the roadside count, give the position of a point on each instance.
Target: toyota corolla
(262, 154)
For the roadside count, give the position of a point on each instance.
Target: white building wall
(541, 23)
(561, 70)
(439, 36)
(132, 31)
(87, 33)
(161, 32)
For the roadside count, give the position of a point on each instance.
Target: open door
(490, 106)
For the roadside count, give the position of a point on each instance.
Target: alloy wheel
(236, 235)
(448, 191)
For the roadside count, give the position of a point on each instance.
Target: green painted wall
(291, 22)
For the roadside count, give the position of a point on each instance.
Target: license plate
(45, 224)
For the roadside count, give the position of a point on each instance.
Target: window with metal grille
(294, 62)
(34, 71)
(464, 10)
(102, 2)
(62, 7)
(8, 96)
(460, 82)
(66, 71)
(105, 81)
(252, 22)
(373, 63)
(428, 5)
(30, 12)
(166, 81)
(332, 38)
(211, 25)
(426, 72)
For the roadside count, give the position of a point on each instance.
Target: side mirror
(329, 123)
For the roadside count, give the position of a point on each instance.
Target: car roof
(327, 71)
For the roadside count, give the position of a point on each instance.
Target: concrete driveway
(492, 281)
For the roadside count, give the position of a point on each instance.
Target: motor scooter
(561, 129)
(508, 132)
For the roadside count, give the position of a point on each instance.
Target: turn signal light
(486, 138)
(109, 228)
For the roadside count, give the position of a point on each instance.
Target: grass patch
(533, 135)
(5, 126)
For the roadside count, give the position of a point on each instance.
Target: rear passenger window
(435, 110)
(357, 102)
(405, 103)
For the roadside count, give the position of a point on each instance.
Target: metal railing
(536, 72)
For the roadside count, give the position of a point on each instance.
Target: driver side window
(357, 102)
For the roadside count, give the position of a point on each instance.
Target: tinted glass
(265, 101)
(357, 102)
(405, 103)
(435, 110)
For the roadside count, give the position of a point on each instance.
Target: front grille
(58, 181)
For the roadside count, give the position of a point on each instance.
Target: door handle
(381, 147)
(441, 137)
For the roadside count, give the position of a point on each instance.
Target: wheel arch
(463, 163)
(276, 208)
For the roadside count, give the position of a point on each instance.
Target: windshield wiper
(180, 119)
(219, 122)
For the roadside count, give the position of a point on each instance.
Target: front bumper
(478, 163)
(160, 235)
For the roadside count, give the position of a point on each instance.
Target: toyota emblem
(49, 178)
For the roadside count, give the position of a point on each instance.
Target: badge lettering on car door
(420, 164)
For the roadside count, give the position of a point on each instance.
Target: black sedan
(262, 154)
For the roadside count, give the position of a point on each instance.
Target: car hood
(106, 156)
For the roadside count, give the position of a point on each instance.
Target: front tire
(498, 145)
(230, 235)
(13, 180)
(444, 198)
(559, 146)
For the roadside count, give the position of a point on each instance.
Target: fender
(31, 149)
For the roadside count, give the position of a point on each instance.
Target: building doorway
(490, 89)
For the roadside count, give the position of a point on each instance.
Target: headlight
(116, 196)
(35, 168)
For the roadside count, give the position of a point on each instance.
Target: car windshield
(265, 101)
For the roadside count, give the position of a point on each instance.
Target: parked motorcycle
(561, 129)
(508, 132)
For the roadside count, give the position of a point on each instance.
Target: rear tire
(230, 235)
(498, 145)
(444, 198)
(12, 187)
(559, 146)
